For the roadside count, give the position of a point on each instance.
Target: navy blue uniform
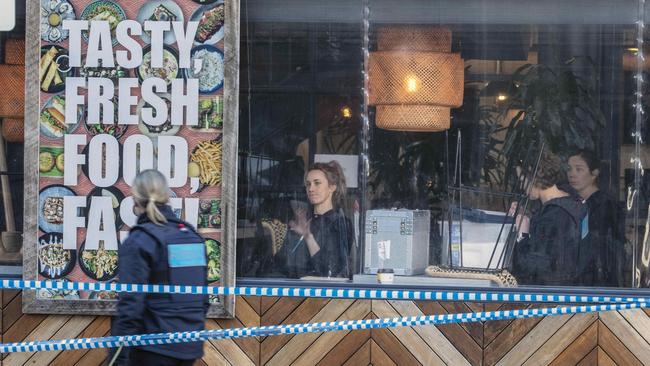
(169, 254)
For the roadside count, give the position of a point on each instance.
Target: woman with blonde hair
(160, 249)
(150, 190)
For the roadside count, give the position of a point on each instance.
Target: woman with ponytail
(160, 249)
(150, 191)
(321, 237)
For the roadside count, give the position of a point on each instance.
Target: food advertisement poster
(120, 87)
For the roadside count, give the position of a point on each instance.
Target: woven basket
(414, 38)
(13, 130)
(15, 51)
(414, 79)
(12, 98)
(414, 118)
(439, 78)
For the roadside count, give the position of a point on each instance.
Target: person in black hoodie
(606, 220)
(551, 249)
(319, 241)
(161, 249)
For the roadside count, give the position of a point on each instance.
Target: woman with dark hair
(319, 241)
(606, 220)
(551, 249)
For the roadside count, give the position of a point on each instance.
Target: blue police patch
(186, 255)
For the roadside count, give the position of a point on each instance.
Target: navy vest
(181, 259)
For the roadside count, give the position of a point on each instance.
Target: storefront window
(480, 141)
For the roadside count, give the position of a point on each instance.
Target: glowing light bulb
(411, 84)
(502, 97)
(346, 112)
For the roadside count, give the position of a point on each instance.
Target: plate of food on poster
(116, 196)
(210, 74)
(205, 163)
(104, 295)
(166, 128)
(210, 114)
(53, 13)
(206, 2)
(103, 10)
(54, 68)
(52, 294)
(99, 264)
(160, 11)
(113, 73)
(50, 207)
(50, 161)
(213, 251)
(114, 129)
(170, 68)
(54, 262)
(209, 214)
(211, 18)
(52, 118)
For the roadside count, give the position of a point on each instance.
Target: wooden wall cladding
(612, 338)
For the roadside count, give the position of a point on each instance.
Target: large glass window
(481, 142)
(300, 102)
(523, 174)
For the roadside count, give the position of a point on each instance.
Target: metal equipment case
(405, 234)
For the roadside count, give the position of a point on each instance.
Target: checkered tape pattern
(181, 337)
(338, 293)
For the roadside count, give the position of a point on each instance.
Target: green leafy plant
(555, 106)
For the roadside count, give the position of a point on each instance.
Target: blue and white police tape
(337, 293)
(349, 325)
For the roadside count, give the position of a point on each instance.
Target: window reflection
(528, 85)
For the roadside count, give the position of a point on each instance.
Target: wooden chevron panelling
(613, 338)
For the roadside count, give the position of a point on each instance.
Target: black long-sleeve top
(607, 235)
(333, 233)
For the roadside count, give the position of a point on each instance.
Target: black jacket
(607, 236)
(333, 233)
(155, 254)
(555, 253)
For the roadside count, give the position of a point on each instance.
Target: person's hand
(300, 224)
(522, 222)
(513, 209)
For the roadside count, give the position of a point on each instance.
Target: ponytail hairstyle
(334, 174)
(150, 189)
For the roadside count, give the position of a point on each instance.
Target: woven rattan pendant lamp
(414, 79)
